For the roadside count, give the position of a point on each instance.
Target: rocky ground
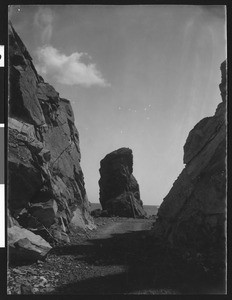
(119, 257)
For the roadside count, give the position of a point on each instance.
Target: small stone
(35, 290)
(33, 272)
(26, 289)
(49, 289)
(40, 262)
(18, 271)
(43, 279)
(72, 277)
(20, 280)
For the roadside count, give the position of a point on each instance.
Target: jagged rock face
(46, 184)
(119, 190)
(192, 215)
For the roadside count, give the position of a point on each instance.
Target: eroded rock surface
(119, 190)
(192, 215)
(46, 183)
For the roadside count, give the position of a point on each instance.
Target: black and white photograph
(117, 149)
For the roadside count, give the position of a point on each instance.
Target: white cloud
(43, 20)
(69, 70)
(52, 64)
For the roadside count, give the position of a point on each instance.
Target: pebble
(26, 289)
(33, 272)
(18, 271)
(49, 289)
(20, 280)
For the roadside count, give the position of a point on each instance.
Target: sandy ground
(119, 257)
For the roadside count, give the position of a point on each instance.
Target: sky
(137, 76)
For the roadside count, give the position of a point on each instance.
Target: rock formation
(46, 189)
(25, 246)
(119, 190)
(192, 215)
(97, 213)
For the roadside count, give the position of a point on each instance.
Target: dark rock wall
(45, 182)
(193, 213)
(119, 190)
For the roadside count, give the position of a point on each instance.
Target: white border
(2, 215)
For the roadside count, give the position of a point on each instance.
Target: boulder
(25, 246)
(11, 221)
(96, 213)
(45, 177)
(119, 190)
(192, 215)
(45, 212)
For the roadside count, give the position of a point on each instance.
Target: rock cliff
(119, 190)
(46, 189)
(192, 215)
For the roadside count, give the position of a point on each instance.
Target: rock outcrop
(25, 246)
(46, 189)
(192, 215)
(119, 190)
